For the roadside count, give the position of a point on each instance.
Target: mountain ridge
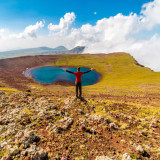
(41, 51)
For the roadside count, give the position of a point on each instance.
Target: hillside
(119, 117)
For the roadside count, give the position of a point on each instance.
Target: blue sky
(16, 14)
(103, 26)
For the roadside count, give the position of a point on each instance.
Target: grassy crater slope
(119, 115)
(118, 70)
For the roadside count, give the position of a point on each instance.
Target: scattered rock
(103, 158)
(153, 125)
(67, 101)
(31, 137)
(41, 155)
(25, 145)
(126, 156)
(80, 111)
(96, 118)
(6, 157)
(66, 122)
(32, 150)
(14, 151)
(113, 126)
(140, 149)
(49, 117)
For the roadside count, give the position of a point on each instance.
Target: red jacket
(78, 76)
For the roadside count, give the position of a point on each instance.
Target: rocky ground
(38, 127)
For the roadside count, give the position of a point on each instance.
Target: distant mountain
(41, 51)
(77, 50)
(60, 48)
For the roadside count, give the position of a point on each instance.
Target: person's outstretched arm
(89, 70)
(67, 71)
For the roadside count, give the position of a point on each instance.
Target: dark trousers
(78, 88)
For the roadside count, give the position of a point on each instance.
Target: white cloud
(64, 24)
(95, 13)
(2, 30)
(30, 31)
(151, 12)
(118, 33)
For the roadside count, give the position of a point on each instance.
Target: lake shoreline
(63, 82)
(12, 69)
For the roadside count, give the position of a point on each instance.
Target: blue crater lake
(51, 74)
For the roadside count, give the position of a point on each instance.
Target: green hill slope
(118, 70)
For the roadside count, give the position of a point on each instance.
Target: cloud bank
(134, 34)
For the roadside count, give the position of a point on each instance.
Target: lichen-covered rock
(113, 126)
(31, 137)
(103, 158)
(25, 145)
(126, 156)
(56, 129)
(41, 155)
(96, 117)
(14, 151)
(140, 149)
(66, 122)
(153, 125)
(99, 118)
(32, 150)
(6, 157)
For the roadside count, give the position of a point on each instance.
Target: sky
(103, 26)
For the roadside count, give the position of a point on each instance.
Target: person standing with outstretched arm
(78, 83)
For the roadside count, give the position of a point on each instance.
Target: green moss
(133, 156)
(28, 111)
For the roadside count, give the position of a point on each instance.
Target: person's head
(78, 69)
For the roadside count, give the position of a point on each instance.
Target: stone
(24, 153)
(31, 137)
(67, 122)
(25, 145)
(49, 117)
(113, 126)
(126, 156)
(64, 158)
(140, 149)
(55, 129)
(2, 144)
(14, 151)
(32, 150)
(103, 158)
(6, 157)
(42, 155)
(153, 125)
(67, 101)
(96, 117)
